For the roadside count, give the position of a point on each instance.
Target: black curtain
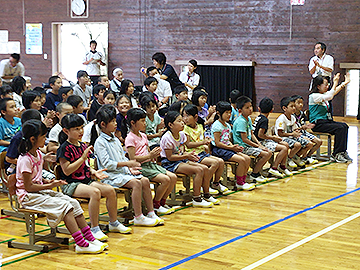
(220, 80)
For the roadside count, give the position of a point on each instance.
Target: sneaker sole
(105, 238)
(203, 206)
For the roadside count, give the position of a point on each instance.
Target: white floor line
(301, 242)
(17, 256)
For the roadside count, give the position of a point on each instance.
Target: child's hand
(192, 156)
(212, 109)
(207, 141)
(276, 139)
(296, 134)
(100, 175)
(162, 124)
(50, 114)
(237, 148)
(133, 164)
(57, 183)
(155, 152)
(310, 126)
(135, 170)
(50, 157)
(87, 151)
(48, 122)
(143, 71)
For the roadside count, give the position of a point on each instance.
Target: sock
(95, 229)
(207, 195)
(79, 239)
(274, 168)
(151, 214)
(240, 180)
(139, 216)
(197, 198)
(156, 204)
(87, 234)
(255, 174)
(114, 223)
(162, 202)
(216, 184)
(283, 167)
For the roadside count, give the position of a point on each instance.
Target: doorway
(70, 43)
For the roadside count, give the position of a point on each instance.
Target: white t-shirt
(283, 123)
(326, 61)
(192, 79)
(7, 70)
(54, 133)
(93, 68)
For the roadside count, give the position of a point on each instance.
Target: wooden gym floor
(308, 221)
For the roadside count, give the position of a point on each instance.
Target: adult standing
(9, 68)
(322, 63)
(190, 78)
(93, 60)
(167, 72)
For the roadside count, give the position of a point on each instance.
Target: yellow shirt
(196, 135)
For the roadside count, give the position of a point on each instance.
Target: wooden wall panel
(206, 30)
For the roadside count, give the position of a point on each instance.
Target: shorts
(252, 151)
(121, 179)
(55, 204)
(308, 135)
(222, 153)
(203, 155)
(70, 188)
(292, 141)
(172, 165)
(269, 144)
(151, 170)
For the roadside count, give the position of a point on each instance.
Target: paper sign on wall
(297, 2)
(34, 38)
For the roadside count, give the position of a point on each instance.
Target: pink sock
(87, 234)
(79, 239)
(240, 180)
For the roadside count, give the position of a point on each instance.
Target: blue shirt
(241, 125)
(7, 130)
(225, 132)
(234, 115)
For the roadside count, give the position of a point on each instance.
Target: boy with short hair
(181, 93)
(98, 93)
(151, 84)
(53, 98)
(243, 135)
(104, 80)
(5, 91)
(77, 103)
(272, 142)
(65, 92)
(301, 122)
(62, 109)
(234, 95)
(9, 124)
(285, 127)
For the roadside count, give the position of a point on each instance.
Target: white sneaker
(246, 186)
(172, 209)
(298, 161)
(211, 191)
(260, 179)
(286, 171)
(203, 203)
(310, 160)
(163, 211)
(99, 243)
(120, 228)
(145, 221)
(220, 187)
(291, 163)
(99, 235)
(276, 173)
(155, 217)
(91, 249)
(213, 200)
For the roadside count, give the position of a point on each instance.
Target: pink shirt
(169, 142)
(30, 164)
(140, 144)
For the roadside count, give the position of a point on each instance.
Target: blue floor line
(254, 231)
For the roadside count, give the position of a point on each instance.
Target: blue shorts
(222, 153)
(171, 165)
(203, 155)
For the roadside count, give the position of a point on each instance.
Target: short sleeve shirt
(234, 115)
(7, 130)
(225, 132)
(285, 124)
(169, 142)
(85, 95)
(172, 77)
(29, 164)
(12, 150)
(72, 153)
(242, 125)
(325, 61)
(196, 135)
(93, 68)
(140, 144)
(260, 122)
(151, 127)
(54, 133)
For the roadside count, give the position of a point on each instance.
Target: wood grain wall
(205, 30)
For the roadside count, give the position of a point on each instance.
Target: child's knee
(95, 193)
(297, 145)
